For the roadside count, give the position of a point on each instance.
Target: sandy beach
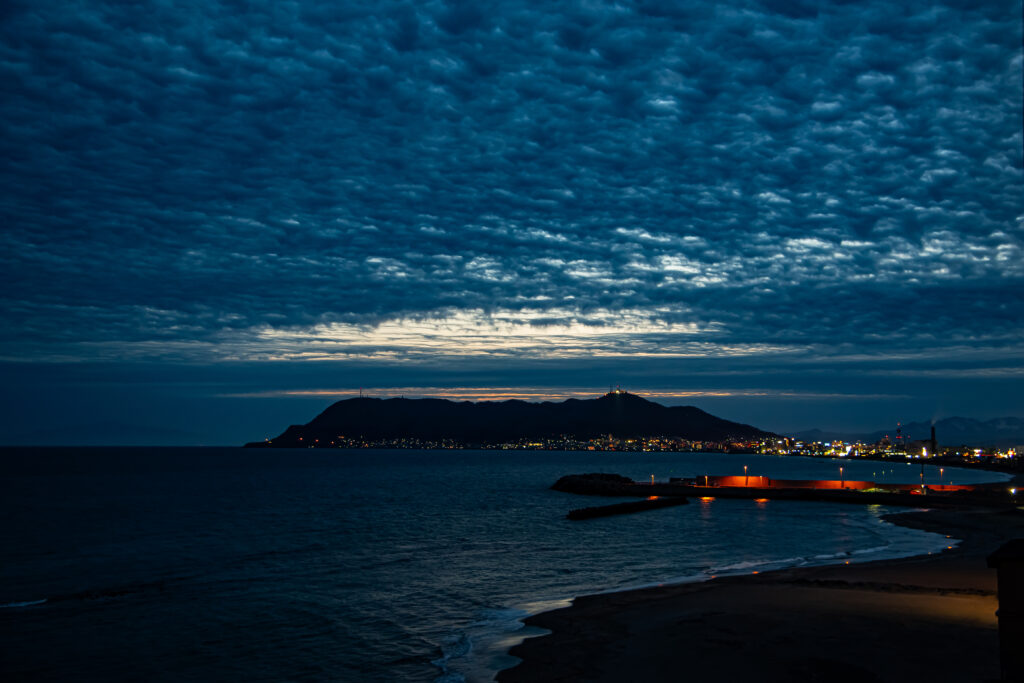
(928, 618)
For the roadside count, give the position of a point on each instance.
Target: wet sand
(928, 618)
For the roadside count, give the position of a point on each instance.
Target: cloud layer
(212, 180)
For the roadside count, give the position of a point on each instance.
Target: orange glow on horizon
(512, 393)
(706, 499)
(652, 498)
(488, 393)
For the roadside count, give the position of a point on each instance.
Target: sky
(219, 217)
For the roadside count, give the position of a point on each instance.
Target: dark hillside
(621, 414)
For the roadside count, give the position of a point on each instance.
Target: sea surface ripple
(267, 565)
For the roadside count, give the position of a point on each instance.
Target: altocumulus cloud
(220, 180)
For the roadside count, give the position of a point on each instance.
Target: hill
(619, 413)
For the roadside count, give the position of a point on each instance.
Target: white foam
(866, 551)
(455, 647)
(481, 650)
(508, 618)
(752, 564)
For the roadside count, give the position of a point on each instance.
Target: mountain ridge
(618, 413)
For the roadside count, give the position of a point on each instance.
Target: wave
(27, 603)
(830, 558)
(475, 650)
(751, 564)
(508, 617)
(98, 594)
(455, 647)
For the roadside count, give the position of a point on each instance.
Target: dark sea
(190, 564)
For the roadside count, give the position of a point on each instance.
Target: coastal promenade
(928, 618)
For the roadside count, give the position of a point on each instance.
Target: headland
(573, 424)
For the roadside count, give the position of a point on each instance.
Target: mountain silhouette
(618, 413)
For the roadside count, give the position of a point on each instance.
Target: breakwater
(603, 484)
(651, 503)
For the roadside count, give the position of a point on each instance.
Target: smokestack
(934, 446)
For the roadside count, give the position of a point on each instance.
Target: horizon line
(505, 393)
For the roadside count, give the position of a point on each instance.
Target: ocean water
(268, 565)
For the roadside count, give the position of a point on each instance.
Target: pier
(863, 493)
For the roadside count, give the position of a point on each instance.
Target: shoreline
(891, 619)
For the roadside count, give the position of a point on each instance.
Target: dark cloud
(202, 181)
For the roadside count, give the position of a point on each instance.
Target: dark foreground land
(929, 618)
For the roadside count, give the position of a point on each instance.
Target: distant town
(884, 449)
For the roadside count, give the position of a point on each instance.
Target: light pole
(842, 480)
(652, 480)
(940, 474)
(746, 479)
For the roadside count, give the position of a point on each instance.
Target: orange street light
(746, 479)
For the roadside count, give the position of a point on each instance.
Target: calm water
(230, 564)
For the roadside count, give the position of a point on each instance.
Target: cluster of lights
(555, 443)
(883, 449)
(833, 449)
